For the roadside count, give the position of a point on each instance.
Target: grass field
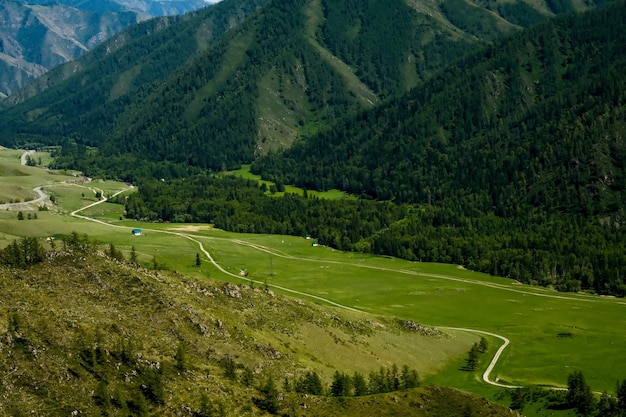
(552, 334)
(244, 172)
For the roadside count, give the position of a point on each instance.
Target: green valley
(319, 208)
(545, 328)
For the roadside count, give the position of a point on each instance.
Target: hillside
(287, 71)
(517, 152)
(36, 36)
(83, 332)
(503, 124)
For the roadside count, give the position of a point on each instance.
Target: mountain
(145, 7)
(288, 70)
(38, 35)
(510, 162)
(514, 156)
(536, 119)
(90, 334)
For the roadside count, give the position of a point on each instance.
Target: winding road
(486, 375)
(24, 155)
(41, 196)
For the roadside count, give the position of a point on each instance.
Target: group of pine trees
(578, 396)
(566, 251)
(474, 353)
(581, 398)
(346, 385)
(23, 253)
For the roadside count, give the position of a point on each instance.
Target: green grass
(22, 179)
(244, 172)
(552, 334)
(533, 318)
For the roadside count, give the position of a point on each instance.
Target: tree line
(578, 396)
(568, 252)
(26, 252)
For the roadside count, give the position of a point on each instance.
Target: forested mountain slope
(516, 155)
(38, 35)
(291, 68)
(536, 120)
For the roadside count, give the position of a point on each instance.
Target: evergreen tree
(579, 395)
(472, 357)
(101, 395)
(621, 396)
(206, 408)
(269, 397)
(181, 358)
(230, 367)
(310, 383)
(341, 385)
(483, 345)
(360, 386)
(247, 377)
(409, 378)
(607, 406)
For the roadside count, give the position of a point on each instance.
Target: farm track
(41, 196)
(194, 238)
(486, 376)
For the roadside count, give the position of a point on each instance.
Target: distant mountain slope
(38, 35)
(290, 69)
(538, 119)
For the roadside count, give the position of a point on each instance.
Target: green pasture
(552, 334)
(17, 181)
(244, 172)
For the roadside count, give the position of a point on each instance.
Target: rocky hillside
(38, 35)
(84, 333)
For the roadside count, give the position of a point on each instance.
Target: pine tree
(483, 345)
(269, 400)
(409, 378)
(181, 358)
(133, 255)
(579, 395)
(360, 386)
(607, 405)
(341, 385)
(247, 377)
(472, 357)
(621, 396)
(230, 367)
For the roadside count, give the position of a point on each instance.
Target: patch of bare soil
(191, 228)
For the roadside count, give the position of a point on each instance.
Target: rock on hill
(87, 333)
(40, 34)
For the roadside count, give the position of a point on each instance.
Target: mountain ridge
(314, 70)
(36, 36)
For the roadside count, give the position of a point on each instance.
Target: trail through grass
(551, 334)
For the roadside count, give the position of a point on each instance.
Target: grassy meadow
(244, 172)
(552, 334)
